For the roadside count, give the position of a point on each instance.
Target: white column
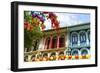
(29, 58)
(41, 44)
(87, 39)
(67, 42)
(44, 43)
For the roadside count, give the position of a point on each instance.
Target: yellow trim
(46, 50)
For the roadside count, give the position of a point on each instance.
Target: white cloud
(68, 19)
(47, 24)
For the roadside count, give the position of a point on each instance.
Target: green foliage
(30, 35)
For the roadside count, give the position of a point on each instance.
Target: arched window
(62, 41)
(75, 52)
(33, 58)
(61, 53)
(53, 54)
(47, 42)
(74, 38)
(82, 37)
(54, 42)
(84, 51)
(25, 58)
(45, 54)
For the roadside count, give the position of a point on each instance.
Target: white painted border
(22, 64)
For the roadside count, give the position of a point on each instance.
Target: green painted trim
(68, 27)
(81, 46)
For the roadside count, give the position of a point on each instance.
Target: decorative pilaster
(58, 41)
(87, 38)
(45, 43)
(50, 45)
(78, 39)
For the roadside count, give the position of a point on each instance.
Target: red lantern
(70, 57)
(61, 57)
(76, 57)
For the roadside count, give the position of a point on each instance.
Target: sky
(69, 19)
